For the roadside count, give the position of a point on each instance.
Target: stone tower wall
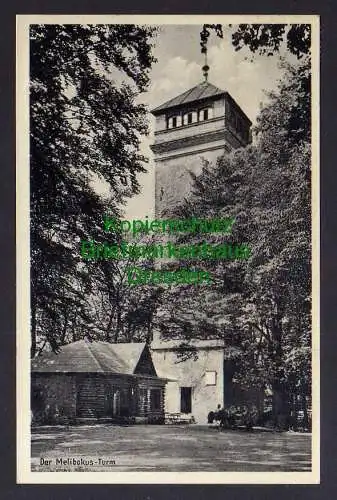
(173, 180)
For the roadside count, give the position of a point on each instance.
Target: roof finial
(205, 68)
(204, 34)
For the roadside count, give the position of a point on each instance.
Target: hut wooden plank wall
(96, 381)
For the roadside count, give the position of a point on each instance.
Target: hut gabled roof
(84, 356)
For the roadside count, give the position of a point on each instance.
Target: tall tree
(264, 39)
(85, 129)
(120, 311)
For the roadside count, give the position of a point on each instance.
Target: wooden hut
(96, 381)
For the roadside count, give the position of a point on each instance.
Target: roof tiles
(202, 91)
(95, 357)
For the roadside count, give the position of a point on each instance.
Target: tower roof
(202, 91)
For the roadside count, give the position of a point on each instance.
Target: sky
(178, 68)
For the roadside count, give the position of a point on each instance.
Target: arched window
(190, 117)
(205, 114)
(174, 121)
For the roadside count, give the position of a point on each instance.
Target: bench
(178, 418)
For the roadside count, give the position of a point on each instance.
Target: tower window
(190, 117)
(174, 121)
(206, 114)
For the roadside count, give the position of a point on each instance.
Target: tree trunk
(65, 326)
(281, 407)
(306, 423)
(118, 324)
(108, 328)
(149, 330)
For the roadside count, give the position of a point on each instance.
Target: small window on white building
(210, 378)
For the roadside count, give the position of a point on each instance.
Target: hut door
(116, 404)
(108, 407)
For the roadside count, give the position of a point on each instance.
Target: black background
(327, 9)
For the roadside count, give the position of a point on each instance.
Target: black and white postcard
(167, 249)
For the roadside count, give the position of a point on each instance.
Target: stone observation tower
(202, 123)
